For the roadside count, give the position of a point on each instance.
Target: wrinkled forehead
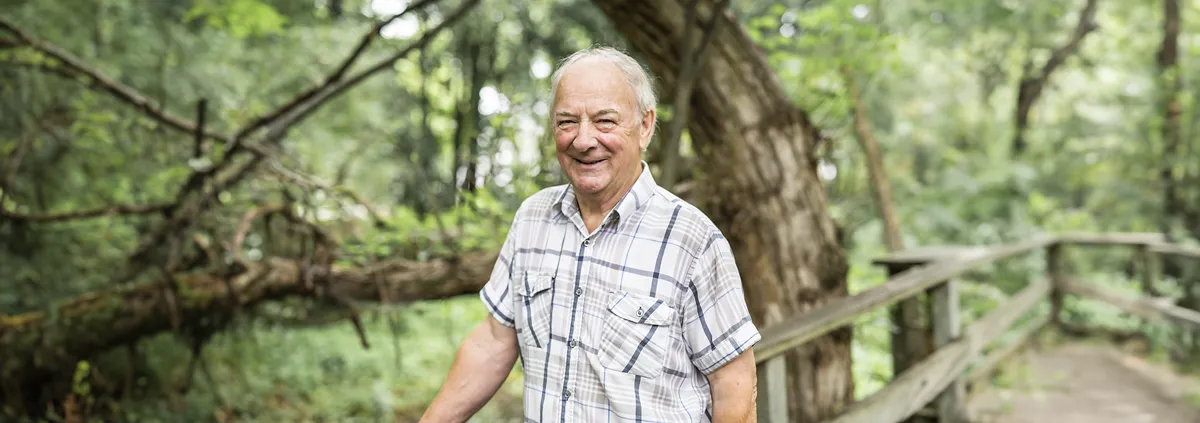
(593, 83)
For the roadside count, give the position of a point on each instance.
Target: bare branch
(239, 237)
(116, 210)
(198, 144)
(1031, 86)
(314, 183)
(106, 83)
(371, 36)
(14, 163)
(335, 76)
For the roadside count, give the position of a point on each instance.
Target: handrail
(792, 332)
(932, 377)
(920, 384)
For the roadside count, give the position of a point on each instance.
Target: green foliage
(938, 80)
(242, 18)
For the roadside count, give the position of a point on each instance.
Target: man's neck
(594, 208)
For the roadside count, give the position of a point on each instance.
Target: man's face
(598, 133)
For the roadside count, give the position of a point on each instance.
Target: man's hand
(735, 390)
(482, 363)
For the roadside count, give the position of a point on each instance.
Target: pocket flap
(535, 282)
(639, 308)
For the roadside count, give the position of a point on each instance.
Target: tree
(194, 287)
(759, 154)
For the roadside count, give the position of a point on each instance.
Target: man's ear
(648, 126)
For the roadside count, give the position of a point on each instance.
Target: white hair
(635, 75)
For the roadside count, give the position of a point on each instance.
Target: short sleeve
(717, 325)
(496, 293)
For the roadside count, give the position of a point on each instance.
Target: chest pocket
(533, 308)
(637, 333)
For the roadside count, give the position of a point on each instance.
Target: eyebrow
(606, 112)
(564, 113)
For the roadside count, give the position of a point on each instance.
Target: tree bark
(1170, 81)
(759, 153)
(36, 343)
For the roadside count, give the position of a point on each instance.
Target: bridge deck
(1087, 383)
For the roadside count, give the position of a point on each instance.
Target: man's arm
(482, 363)
(735, 390)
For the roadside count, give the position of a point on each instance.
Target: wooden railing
(930, 361)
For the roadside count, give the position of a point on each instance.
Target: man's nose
(584, 139)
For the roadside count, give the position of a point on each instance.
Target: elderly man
(622, 301)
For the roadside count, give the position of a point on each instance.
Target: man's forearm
(480, 366)
(734, 391)
(735, 408)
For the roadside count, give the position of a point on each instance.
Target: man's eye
(565, 122)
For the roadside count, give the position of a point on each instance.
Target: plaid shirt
(622, 324)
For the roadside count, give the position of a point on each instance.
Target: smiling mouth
(589, 162)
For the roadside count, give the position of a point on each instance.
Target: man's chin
(589, 184)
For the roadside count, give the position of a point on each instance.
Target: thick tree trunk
(38, 343)
(758, 153)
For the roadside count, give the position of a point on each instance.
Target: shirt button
(639, 313)
(587, 242)
(572, 344)
(566, 393)
(578, 291)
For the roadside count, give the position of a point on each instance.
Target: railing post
(1054, 273)
(947, 327)
(1149, 261)
(772, 390)
(911, 336)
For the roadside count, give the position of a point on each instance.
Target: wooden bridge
(931, 385)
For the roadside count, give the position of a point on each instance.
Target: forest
(276, 210)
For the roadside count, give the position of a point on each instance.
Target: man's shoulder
(695, 227)
(541, 203)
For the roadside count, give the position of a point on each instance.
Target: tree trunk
(758, 151)
(1032, 85)
(892, 237)
(39, 343)
(1170, 81)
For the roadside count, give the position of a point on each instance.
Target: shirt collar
(638, 196)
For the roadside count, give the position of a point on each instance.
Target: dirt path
(1082, 383)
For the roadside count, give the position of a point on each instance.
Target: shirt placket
(583, 270)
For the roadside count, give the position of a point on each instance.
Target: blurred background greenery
(431, 157)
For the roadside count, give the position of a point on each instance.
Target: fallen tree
(41, 342)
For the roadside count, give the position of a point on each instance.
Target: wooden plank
(838, 312)
(1175, 250)
(772, 388)
(913, 389)
(1157, 310)
(920, 384)
(1128, 238)
(947, 327)
(993, 359)
(925, 255)
(999, 320)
